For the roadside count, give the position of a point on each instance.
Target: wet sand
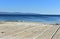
(26, 30)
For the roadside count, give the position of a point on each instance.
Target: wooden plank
(57, 35)
(49, 33)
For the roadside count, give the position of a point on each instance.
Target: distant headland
(20, 13)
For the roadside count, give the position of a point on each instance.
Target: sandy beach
(27, 30)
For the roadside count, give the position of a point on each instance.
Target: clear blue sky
(33, 6)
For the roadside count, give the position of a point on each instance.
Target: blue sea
(32, 18)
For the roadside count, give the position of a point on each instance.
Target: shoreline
(1, 22)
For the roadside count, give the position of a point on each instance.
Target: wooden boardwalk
(24, 30)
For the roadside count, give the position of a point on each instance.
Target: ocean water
(31, 18)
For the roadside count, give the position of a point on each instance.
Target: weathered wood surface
(25, 30)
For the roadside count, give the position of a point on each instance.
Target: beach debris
(2, 32)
